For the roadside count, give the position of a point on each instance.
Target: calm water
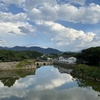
(46, 83)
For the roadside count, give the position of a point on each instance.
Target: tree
(8, 55)
(91, 56)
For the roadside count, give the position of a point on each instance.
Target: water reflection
(47, 84)
(82, 82)
(8, 78)
(89, 83)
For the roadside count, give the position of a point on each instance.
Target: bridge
(12, 65)
(41, 63)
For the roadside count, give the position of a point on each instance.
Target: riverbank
(64, 65)
(13, 66)
(82, 71)
(25, 64)
(87, 72)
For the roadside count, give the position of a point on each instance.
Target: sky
(66, 25)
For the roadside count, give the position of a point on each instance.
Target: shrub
(24, 63)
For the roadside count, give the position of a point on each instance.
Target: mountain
(39, 49)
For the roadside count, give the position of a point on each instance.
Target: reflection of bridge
(43, 63)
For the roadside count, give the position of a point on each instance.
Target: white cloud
(66, 12)
(45, 13)
(38, 3)
(51, 10)
(16, 28)
(9, 17)
(68, 37)
(15, 24)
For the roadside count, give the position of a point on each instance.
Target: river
(46, 83)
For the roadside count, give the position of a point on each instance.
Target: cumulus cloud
(16, 28)
(9, 17)
(42, 15)
(51, 10)
(66, 12)
(69, 37)
(15, 24)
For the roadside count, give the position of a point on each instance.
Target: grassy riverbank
(25, 63)
(88, 72)
(17, 65)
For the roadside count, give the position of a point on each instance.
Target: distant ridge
(34, 48)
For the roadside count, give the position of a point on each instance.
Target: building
(62, 59)
(68, 60)
(72, 60)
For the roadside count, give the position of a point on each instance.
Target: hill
(38, 49)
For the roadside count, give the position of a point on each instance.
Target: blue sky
(66, 25)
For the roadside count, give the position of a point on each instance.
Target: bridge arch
(37, 64)
(42, 63)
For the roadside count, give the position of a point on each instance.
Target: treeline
(90, 56)
(9, 55)
(70, 54)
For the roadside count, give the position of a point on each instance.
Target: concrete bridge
(41, 63)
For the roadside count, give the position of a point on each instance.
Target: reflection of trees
(82, 82)
(89, 83)
(8, 81)
(8, 78)
(24, 73)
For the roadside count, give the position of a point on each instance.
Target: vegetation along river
(46, 83)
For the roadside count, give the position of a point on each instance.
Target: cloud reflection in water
(46, 85)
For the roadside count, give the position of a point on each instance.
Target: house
(72, 60)
(68, 60)
(62, 59)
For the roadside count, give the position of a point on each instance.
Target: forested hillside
(90, 56)
(9, 55)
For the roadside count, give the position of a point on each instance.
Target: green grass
(24, 63)
(85, 71)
